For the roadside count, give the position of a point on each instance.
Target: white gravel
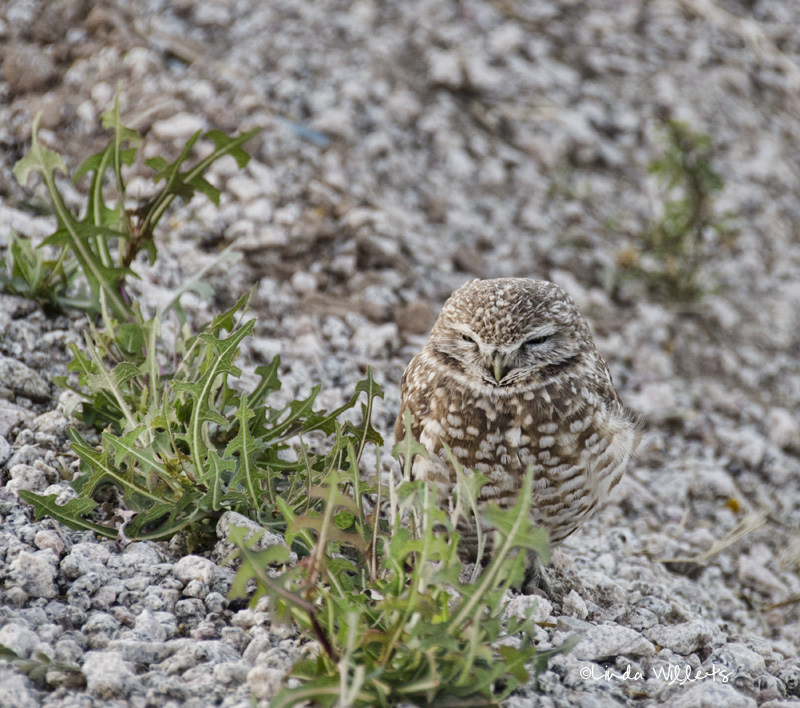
(407, 147)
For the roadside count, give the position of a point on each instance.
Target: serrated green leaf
(163, 520)
(39, 158)
(126, 448)
(214, 478)
(201, 391)
(70, 514)
(269, 381)
(102, 471)
(131, 337)
(246, 448)
(344, 520)
(408, 447)
(231, 146)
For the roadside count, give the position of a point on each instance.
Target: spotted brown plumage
(510, 378)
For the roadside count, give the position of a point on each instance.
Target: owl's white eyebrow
(537, 334)
(461, 329)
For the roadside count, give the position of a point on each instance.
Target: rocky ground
(407, 147)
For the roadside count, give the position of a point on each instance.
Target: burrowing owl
(510, 378)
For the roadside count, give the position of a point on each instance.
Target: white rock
(5, 450)
(23, 380)
(84, 558)
(21, 640)
(51, 423)
(34, 573)
(655, 400)
(375, 340)
(754, 573)
(303, 282)
(683, 638)
(573, 605)
(182, 125)
(783, 429)
(232, 519)
(245, 189)
(751, 447)
(259, 210)
(505, 39)
(710, 694)
(521, 606)
(264, 681)
(148, 627)
(49, 540)
(444, 67)
(106, 673)
(606, 641)
(28, 478)
(194, 568)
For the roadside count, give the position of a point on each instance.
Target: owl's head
(509, 331)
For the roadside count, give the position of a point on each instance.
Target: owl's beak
(498, 367)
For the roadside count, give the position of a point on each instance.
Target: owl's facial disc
(502, 364)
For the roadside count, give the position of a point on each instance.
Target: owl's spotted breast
(522, 388)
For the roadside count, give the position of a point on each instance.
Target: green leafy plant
(676, 246)
(381, 596)
(95, 253)
(179, 442)
(391, 618)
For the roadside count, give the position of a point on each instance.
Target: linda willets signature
(670, 674)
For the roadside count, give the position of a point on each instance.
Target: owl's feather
(510, 378)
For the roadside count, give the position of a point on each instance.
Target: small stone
(68, 650)
(230, 520)
(754, 573)
(138, 652)
(572, 625)
(190, 609)
(607, 641)
(5, 450)
(736, 657)
(789, 673)
(17, 691)
(303, 282)
(11, 416)
(522, 606)
(444, 68)
(28, 68)
(245, 189)
(23, 380)
(106, 673)
(505, 39)
(215, 602)
(195, 588)
(372, 341)
(574, 606)
(49, 540)
(711, 694)
(28, 478)
(182, 125)
(264, 682)
(191, 568)
(783, 430)
(751, 448)
(683, 638)
(148, 627)
(15, 597)
(51, 423)
(84, 558)
(34, 573)
(21, 640)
